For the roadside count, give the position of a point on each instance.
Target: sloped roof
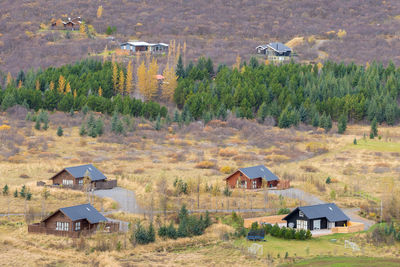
(84, 211)
(259, 171)
(80, 171)
(329, 211)
(279, 47)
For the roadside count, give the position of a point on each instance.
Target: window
(301, 214)
(62, 226)
(80, 181)
(77, 226)
(67, 182)
(301, 224)
(254, 184)
(317, 224)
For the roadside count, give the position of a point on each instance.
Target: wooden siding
(310, 222)
(239, 180)
(64, 175)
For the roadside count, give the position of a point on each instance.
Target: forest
(290, 93)
(69, 88)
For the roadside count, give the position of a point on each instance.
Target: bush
(282, 211)
(227, 192)
(205, 165)
(226, 169)
(180, 186)
(328, 180)
(143, 236)
(254, 226)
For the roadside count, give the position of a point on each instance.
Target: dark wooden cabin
(73, 177)
(252, 178)
(73, 222)
(316, 217)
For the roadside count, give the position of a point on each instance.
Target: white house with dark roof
(139, 46)
(276, 51)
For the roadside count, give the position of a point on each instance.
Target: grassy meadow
(149, 161)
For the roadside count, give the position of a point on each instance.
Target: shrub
(227, 192)
(143, 236)
(226, 169)
(316, 147)
(5, 190)
(227, 152)
(171, 231)
(180, 186)
(355, 141)
(205, 165)
(282, 211)
(254, 226)
(328, 180)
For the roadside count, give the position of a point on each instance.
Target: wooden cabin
(73, 177)
(73, 222)
(252, 178)
(316, 217)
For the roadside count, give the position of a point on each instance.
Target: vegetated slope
(220, 29)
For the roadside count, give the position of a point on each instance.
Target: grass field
(347, 262)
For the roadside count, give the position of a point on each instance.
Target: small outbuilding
(252, 178)
(74, 177)
(316, 217)
(73, 222)
(138, 46)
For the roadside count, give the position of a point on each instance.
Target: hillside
(220, 29)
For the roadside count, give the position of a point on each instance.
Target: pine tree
(315, 120)
(342, 124)
(262, 112)
(5, 190)
(61, 84)
(37, 124)
(60, 131)
(129, 79)
(121, 83)
(180, 69)
(374, 128)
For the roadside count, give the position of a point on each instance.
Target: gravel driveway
(125, 198)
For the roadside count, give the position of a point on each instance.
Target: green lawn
(376, 145)
(347, 261)
(320, 246)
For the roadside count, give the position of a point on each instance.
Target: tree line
(290, 93)
(88, 83)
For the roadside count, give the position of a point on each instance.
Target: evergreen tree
(151, 235)
(315, 120)
(374, 128)
(16, 193)
(5, 190)
(262, 112)
(180, 69)
(342, 124)
(60, 131)
(82, 130)
(37, 124)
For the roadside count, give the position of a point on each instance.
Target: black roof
(259, 171)
(84, 211)
(88, 169)
(329, 211)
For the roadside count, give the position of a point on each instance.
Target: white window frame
(302, 224)
(77, 226)
(301, 214)
(67, 182)
(254, 184)
(62, 226)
